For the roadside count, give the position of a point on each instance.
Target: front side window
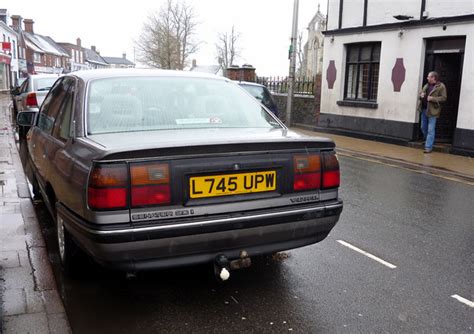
(128, 104)
(362, 71)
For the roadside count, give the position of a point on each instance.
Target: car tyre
(68, 251)
(36, 189)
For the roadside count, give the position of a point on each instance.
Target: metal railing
(303, 85)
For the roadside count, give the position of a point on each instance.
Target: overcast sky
(265, 25)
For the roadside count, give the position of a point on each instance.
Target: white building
(377, 54)
(8, 53)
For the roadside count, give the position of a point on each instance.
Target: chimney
(78, 42)
(3, 15)
(93, 48)
(194, 63)
(29, 25)
(16, 22)
(124, 55)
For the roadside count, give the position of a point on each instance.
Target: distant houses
(119, 62)
(23, 52)
(9, 56)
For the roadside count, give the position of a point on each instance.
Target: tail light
(108, 187)
(31, 100)
(331, 176)
(150, 184)
(307, 172)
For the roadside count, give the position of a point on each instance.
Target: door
(38, 143)
(446, 56)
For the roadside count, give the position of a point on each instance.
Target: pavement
(29, 298)
(443, 164)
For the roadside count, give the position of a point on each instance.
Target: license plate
(231, 184)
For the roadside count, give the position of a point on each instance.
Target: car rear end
(189, 208)
(38, 88)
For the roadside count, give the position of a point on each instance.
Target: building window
(37, 57)
(362, 72)
(14, 49)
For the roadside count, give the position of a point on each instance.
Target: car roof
(39, 76)
(248, 83)
(88, 75)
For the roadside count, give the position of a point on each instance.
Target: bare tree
(227, 48)
(300, 54)
(167, 38)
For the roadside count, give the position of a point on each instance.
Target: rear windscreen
(43, 84)
(153, 103)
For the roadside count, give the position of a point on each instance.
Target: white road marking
(373, 257)
(463, 300)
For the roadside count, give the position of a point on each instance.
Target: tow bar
(222, 265)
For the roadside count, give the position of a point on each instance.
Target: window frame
(358, 63)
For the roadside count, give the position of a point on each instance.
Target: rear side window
(156, 103)
(62, 127)
(52, 104)
(24, 86)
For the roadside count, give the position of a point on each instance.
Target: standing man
(431, 96)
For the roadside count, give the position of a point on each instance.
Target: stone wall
(306, 108)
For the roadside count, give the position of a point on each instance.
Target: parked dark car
(147, 169)
(262, 94)
(30, 95)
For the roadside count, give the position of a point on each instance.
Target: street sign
(6, 46)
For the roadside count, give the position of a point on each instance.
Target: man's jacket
(439, 96)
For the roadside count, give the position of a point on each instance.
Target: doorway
(446, 56)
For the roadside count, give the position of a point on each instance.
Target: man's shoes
(427, 150)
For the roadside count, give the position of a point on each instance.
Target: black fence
(303, 85)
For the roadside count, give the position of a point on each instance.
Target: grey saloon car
(145, 169)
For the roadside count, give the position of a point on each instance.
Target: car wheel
(67, 248)
(36, 189)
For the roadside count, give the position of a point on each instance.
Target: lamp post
(292, 55)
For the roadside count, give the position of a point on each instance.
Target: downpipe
(222, 265)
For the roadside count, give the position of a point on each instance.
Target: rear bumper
(185, 242)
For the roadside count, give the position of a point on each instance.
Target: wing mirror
(26, 118)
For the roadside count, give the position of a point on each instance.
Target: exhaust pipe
(222, 265)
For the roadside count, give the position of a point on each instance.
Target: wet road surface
(421, 226)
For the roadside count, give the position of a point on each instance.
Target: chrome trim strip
(209, 222)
